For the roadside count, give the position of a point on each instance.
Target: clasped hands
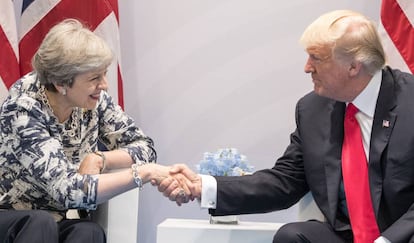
(177, 182)
(181, 185)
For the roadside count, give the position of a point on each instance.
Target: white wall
(202, 75)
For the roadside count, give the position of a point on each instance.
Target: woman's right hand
(91, 165)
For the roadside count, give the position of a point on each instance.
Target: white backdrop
(203, 75)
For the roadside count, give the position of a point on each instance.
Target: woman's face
(86, 89)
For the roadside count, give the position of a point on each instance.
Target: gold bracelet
(99, 153)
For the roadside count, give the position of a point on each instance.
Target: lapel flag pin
(385, 123)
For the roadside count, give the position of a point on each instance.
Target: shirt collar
(367, 99)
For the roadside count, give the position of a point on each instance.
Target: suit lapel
(333, 164)
(384, 120)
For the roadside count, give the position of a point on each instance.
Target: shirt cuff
(382, 239)
(208, 192)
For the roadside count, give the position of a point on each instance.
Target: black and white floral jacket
(40, 157)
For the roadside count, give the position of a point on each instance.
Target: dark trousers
(311, 232)
(315, 232)
(40, 227)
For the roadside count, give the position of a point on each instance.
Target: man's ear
(354, 68)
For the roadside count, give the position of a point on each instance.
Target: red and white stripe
(100, 15)
(9, 60)
(397, 32)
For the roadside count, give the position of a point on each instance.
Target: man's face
(329, 76)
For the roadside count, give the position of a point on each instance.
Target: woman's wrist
(136, 175)
(103, 157)
(158, 172)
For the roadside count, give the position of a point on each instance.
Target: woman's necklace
(70, 126)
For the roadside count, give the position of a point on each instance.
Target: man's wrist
(208, 191)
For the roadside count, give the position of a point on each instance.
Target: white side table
(201, 231)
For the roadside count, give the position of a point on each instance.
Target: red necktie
(355, 176)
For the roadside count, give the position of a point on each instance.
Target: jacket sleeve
(118, 131)
(265, 190)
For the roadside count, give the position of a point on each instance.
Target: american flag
(9, 60)
(397, 32)
(38, 16)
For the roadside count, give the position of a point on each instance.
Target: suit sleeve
(266, 190)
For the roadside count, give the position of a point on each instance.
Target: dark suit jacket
(312, 161)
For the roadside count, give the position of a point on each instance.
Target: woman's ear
(60, 88)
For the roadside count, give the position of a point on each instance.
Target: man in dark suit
(347, 64)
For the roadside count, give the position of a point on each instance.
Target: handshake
(181, 185)
(178, 183)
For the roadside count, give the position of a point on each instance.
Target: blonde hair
(349, 34)
(69, 49)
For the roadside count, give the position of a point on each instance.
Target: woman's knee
(81, 231)
(33, 226)
(42, 218)
(94, 229)
(36, 220)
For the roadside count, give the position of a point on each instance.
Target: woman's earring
(63, 91)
